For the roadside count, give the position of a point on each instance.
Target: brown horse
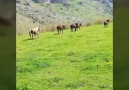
(35, 32)
(106, 23)
(76, 26)
(60, 28)
(73, 26)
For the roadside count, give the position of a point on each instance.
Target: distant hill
(49, 13)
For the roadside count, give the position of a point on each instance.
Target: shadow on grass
(28, 39)
(56, 34)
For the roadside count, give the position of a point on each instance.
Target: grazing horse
(76, 26)
(34, 31)
(106, 23)
(60, 28)
(73, 26)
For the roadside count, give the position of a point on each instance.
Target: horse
(35, 32)
(60, 28)
(76, 26)
(106, 23)
(73, 26)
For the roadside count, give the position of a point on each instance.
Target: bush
(50, 27)
(88, 24)
(97, 21)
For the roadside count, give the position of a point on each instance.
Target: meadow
(81, 60)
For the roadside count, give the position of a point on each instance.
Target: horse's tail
(71, 27)
(30, 32)
(79, 27)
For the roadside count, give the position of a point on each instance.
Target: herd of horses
(74, 27)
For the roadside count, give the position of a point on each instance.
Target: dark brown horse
(60, 28)
(73, 26)
(34, 31)
(76, 26)
(106, 23)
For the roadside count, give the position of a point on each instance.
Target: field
(81, 60)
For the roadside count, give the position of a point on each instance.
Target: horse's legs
(75, 29)
(71, 29)
(104, 25)
(58, 31)
(35, 35)
(32, 35)
(62, 30)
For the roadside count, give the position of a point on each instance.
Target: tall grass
(48, 27)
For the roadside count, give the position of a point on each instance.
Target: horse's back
(35, 29)
(105, 22)
(61, 27)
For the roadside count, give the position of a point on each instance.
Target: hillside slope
(49, 13)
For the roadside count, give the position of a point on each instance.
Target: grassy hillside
(81, 60)
(31, 14)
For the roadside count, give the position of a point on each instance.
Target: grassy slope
(79, 60)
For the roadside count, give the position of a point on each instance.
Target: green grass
(81, 60)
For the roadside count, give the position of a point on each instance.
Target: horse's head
(108, 20)
(63, 26)
(76, 24)
(38, 29)
(58, 27)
